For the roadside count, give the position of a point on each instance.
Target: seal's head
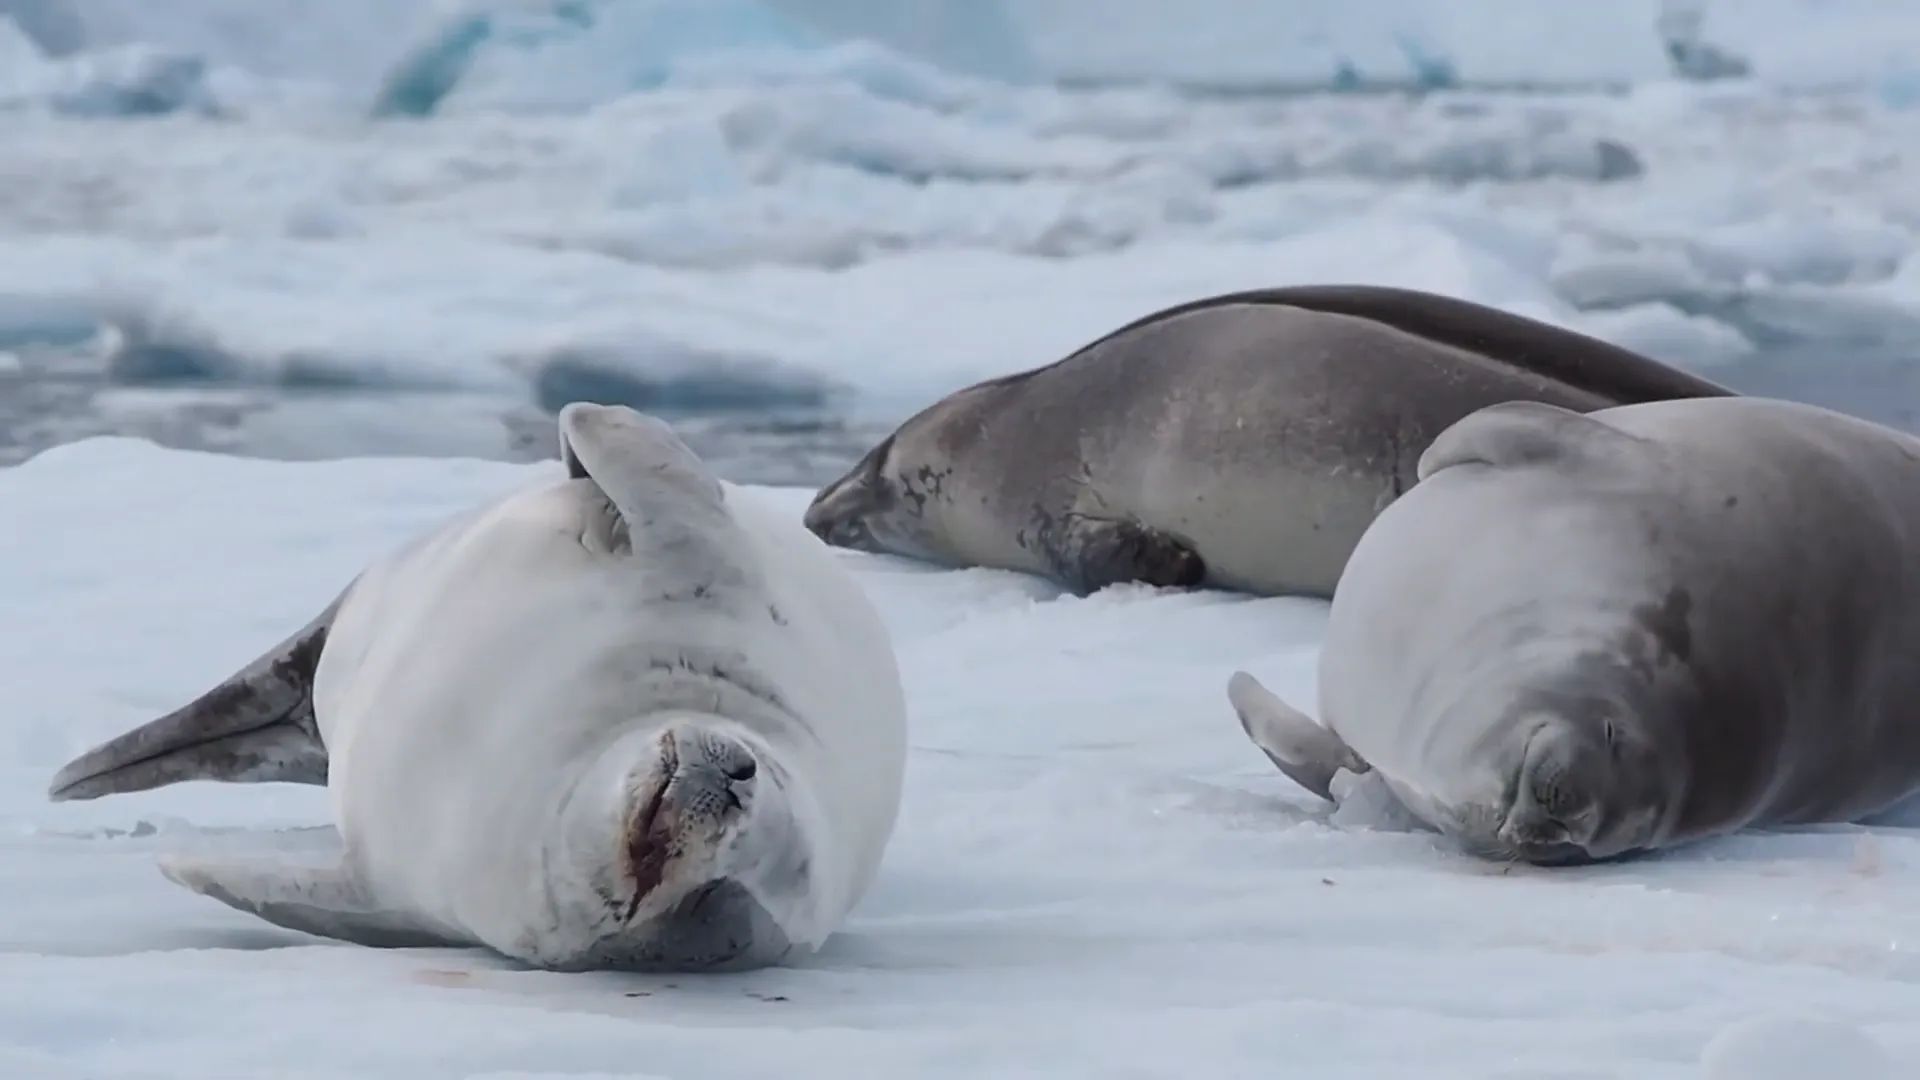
(891, 503)
(678, 851)
(900, 498)
(847, 512)
(1590, 784)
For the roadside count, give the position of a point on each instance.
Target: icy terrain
(1095, 875)
(752, 212)
(308, 228)
(1222, 43)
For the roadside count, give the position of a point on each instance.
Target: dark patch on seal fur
(1088, 553)
(1668, 622)
(923, 485)
(296, 668)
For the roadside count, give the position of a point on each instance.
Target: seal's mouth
(833, 515)
(649, 842)
(1530, 836)
(839, 514)
(849, 533)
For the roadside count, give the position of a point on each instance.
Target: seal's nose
(818, 519)
(841, 532)
(1541, 835)
(1533, 829)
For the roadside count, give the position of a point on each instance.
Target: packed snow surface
(1094, 875)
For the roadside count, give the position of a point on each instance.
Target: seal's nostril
(742, 772)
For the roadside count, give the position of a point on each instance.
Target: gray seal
(1583, 637)
(1240, 442)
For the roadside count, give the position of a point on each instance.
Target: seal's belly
(1273, 507)
(1278, 532)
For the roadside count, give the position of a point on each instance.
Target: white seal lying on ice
(624, 720)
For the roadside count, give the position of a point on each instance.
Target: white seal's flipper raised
(624, 719)
(1310, 755)
(257, 727)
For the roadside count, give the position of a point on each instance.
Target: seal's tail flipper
(256, 727)
(326, 902)
(1309, 754)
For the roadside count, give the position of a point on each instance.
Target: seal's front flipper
(666, 508)
(256, 727)
(326, 902)
(1090, 553)
(1310, 755)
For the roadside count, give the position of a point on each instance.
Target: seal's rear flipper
(256, 727)
(1513, 434)
(1310, 755)
(1091, 553)
(326, 902)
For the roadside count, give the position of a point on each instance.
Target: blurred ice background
(318, 228)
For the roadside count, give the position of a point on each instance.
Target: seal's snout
(827, 516)
(686, 803)
(837, 519)
(1539, 834)
(842, 512)
(1555, 816)
(845, 533)
(818, 520)
(717, 774)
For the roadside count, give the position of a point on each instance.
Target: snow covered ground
(1095, 874)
